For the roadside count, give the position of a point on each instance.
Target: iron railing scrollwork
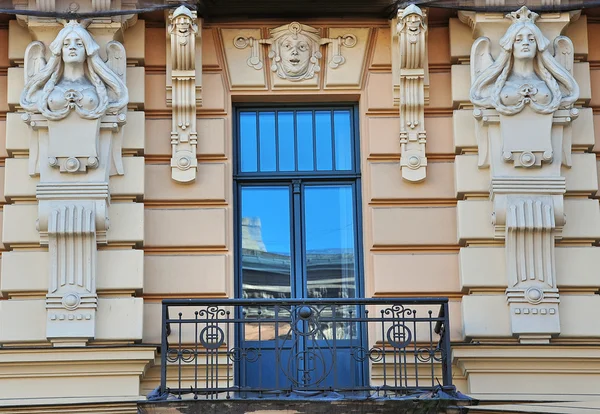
(235, 348)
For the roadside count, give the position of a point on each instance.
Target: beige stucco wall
(169, 239)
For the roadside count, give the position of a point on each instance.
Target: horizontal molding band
(414, 202)
(185, 249)
(166, 159)
(170, 204)
(158, 297)
(441, 157)
(415, 248)
(449, 295)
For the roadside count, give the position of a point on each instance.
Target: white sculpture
(523, 103)
(411, 30)
(75, 107)
(184, 137)
(75, 77)
(295, 51)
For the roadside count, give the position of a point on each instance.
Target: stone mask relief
(525, 73)
(75, 78)
(295, 51)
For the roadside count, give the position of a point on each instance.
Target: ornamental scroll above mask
(295, 51)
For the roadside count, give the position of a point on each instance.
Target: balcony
(234, 349)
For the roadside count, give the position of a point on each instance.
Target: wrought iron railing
(234, 348)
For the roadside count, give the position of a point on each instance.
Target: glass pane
(266, 127)
(285, 131)
(266, 253)
(248, 145)
(343, 140)
(324, 144)
(304, 127)
(330, 234)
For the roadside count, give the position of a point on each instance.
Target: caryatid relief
(295, 51)
(525, 75)
(75, 105)
(523, 103)
(75, 80)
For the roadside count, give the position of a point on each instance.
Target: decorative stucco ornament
(183, 31)
(295, 51)
(75, 104)
(412, 30)
(523, 103)
(525, 77)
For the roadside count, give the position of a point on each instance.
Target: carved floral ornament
(295, 51)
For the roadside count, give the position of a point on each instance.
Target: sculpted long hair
(111, 91)
(486, 89)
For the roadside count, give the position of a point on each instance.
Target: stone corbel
(295, 50)
(412, 41)
(523, 130)
(182, 32)
(75, 146)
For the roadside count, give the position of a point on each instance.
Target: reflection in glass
(266, 249)
(304, 121)
(285, 132)
(343, 146)
(329, 230)
(248, 142)
(266, 127)
(323, 137)
(330, 252)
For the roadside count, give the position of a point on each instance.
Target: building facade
(445, 158)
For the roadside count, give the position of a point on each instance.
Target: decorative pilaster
(412, 30)
(75, 105)
(523, 95)
(182, 31)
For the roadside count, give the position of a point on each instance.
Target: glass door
(297, 224)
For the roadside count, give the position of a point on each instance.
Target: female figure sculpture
(525, 72)
(75, 77)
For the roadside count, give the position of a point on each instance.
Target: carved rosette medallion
(75, 106)
(523, 100)
(183, 31)
(295, 51)
(411, 30)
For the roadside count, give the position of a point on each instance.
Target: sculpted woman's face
(525, 46)
(295, 54)
(73, 50)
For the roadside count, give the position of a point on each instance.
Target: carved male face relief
(73, 50)
(295, 54)
(525, 46)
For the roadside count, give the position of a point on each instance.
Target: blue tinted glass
(266, 252)
(304, 126)
(266, 128)
(323, 138)
(285, 131)
(343, 146)
(248, 148)
(330, 235)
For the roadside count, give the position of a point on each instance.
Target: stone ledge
(517, 373)
(73, 372)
